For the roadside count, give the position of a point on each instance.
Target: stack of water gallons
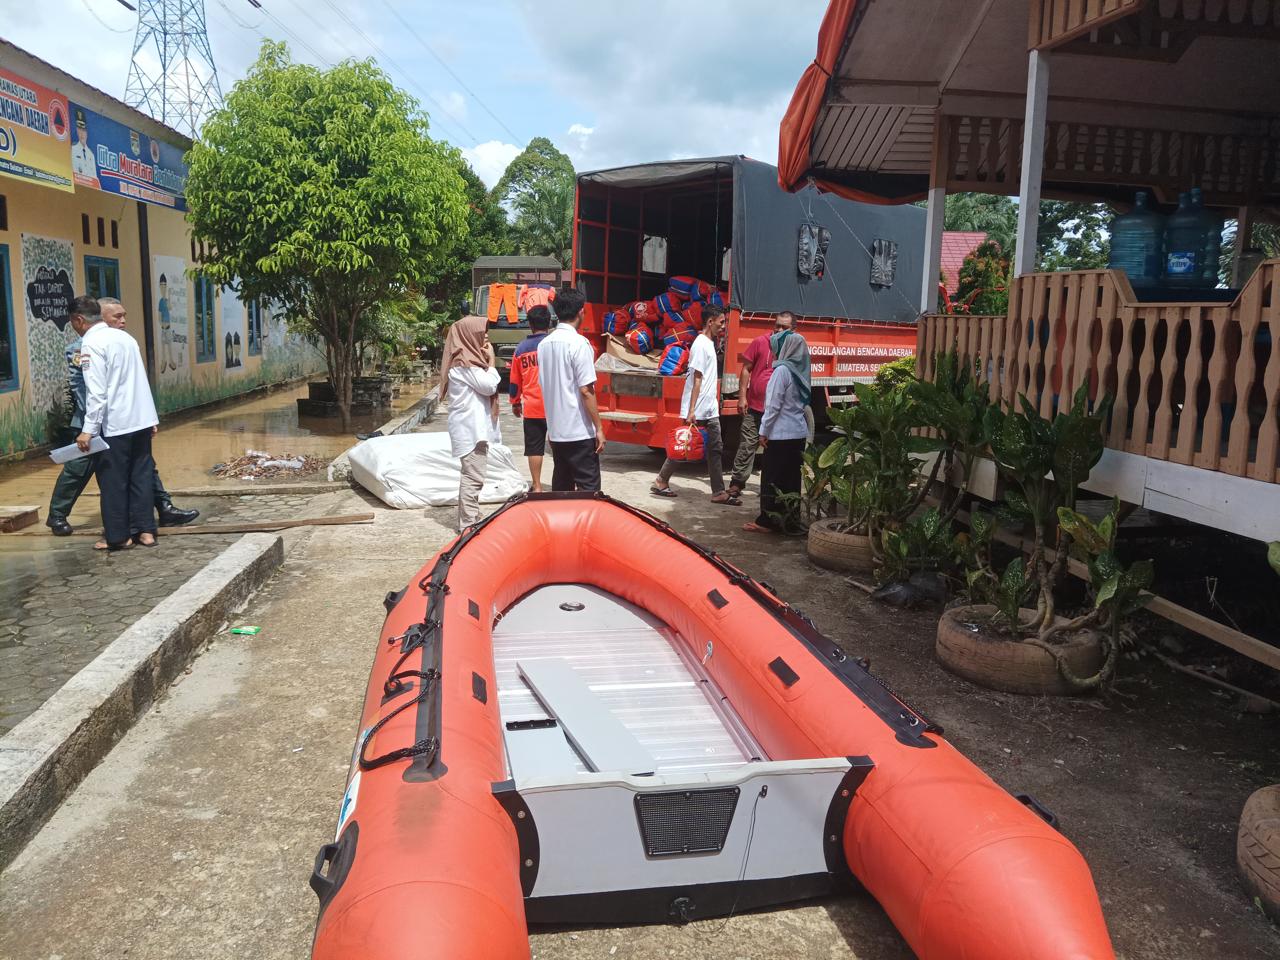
(667, 323)
(1178, 252)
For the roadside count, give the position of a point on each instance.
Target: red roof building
(956, 245)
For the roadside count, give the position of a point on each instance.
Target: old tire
(1258, 849)
(847, 552)
(966, 648)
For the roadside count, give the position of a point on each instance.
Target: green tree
(983, 286)
(537, 187)
(1073, 236)
(1070, 236)
(1266, 237)
(992, 214)
(322, 190)
(489, 235)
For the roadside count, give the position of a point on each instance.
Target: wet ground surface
(188, 446)
(194, 837)
(61, 602)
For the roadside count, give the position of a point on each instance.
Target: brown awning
(1157, 94)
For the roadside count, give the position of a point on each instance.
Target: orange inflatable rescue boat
(576, 715)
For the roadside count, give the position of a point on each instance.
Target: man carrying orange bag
(700, 407)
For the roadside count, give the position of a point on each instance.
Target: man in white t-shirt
(567, 372)
(700, 407)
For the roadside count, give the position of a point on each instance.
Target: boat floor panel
(637, 666)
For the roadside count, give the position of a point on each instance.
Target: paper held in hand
(72, 452)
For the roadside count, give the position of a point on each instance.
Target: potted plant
(924, 549)
(1258, 837)
(1001, 643)
(876, 461)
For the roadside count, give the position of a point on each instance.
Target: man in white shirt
(119, 407)
(700, 407)
(567, 372)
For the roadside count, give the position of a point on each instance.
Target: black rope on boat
(426, 746)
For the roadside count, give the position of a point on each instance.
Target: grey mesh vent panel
(685, 821)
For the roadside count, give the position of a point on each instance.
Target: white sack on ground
(418, 470)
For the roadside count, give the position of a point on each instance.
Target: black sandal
(667, 492)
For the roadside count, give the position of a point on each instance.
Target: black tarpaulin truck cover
(766, 231)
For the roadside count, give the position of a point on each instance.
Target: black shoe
(59, 526)
(171, 516)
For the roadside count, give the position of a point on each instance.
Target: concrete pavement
(195, 837)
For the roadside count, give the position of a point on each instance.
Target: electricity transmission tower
(172, 76)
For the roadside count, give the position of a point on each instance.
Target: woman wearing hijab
(783, 433)
(469, 380)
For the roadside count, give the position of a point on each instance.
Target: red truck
(725, 220)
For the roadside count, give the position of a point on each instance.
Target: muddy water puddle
(189, 446)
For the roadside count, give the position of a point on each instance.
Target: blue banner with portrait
(108, 156)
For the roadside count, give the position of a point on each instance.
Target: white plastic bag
(419, 470)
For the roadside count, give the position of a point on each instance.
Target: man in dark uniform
(75, 475)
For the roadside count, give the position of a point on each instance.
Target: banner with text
(108, 156)
(34, 133)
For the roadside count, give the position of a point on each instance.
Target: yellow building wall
(32, 411)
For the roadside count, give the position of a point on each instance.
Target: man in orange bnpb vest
(526, 392)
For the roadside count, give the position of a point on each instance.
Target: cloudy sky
(609, 82)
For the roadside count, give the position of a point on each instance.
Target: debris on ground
(246, 631)
(260, 465)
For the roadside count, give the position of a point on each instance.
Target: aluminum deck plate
(640, 670)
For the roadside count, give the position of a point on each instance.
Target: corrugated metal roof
(956, 245)
(516, 262)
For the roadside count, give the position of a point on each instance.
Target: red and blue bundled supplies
(617, 322)
(645, 311)
(675, 361)
(693, 290)
(669, 306)
(686, 444)
(640, 339)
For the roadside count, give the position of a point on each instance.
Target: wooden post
(938, 169)
(1033, 130)
(1244, 234)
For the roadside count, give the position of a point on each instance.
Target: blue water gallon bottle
(1137, 240)
(1184, 246)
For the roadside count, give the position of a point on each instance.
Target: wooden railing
(1193, 383)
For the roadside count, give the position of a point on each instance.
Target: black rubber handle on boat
(1039, 809)
(338, 858)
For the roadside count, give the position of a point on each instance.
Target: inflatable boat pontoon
(577, 715)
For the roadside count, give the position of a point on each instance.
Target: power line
(239, 23)
(476, 97)
(381, 53)
(280, 23)
(106, 26)
(341, 42)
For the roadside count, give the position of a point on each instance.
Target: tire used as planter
(1258, 849)
(969, 648)
(847, 552)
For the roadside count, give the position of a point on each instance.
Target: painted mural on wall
(287, 351)
(235, 334)
(169, 294)
(48, 285)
